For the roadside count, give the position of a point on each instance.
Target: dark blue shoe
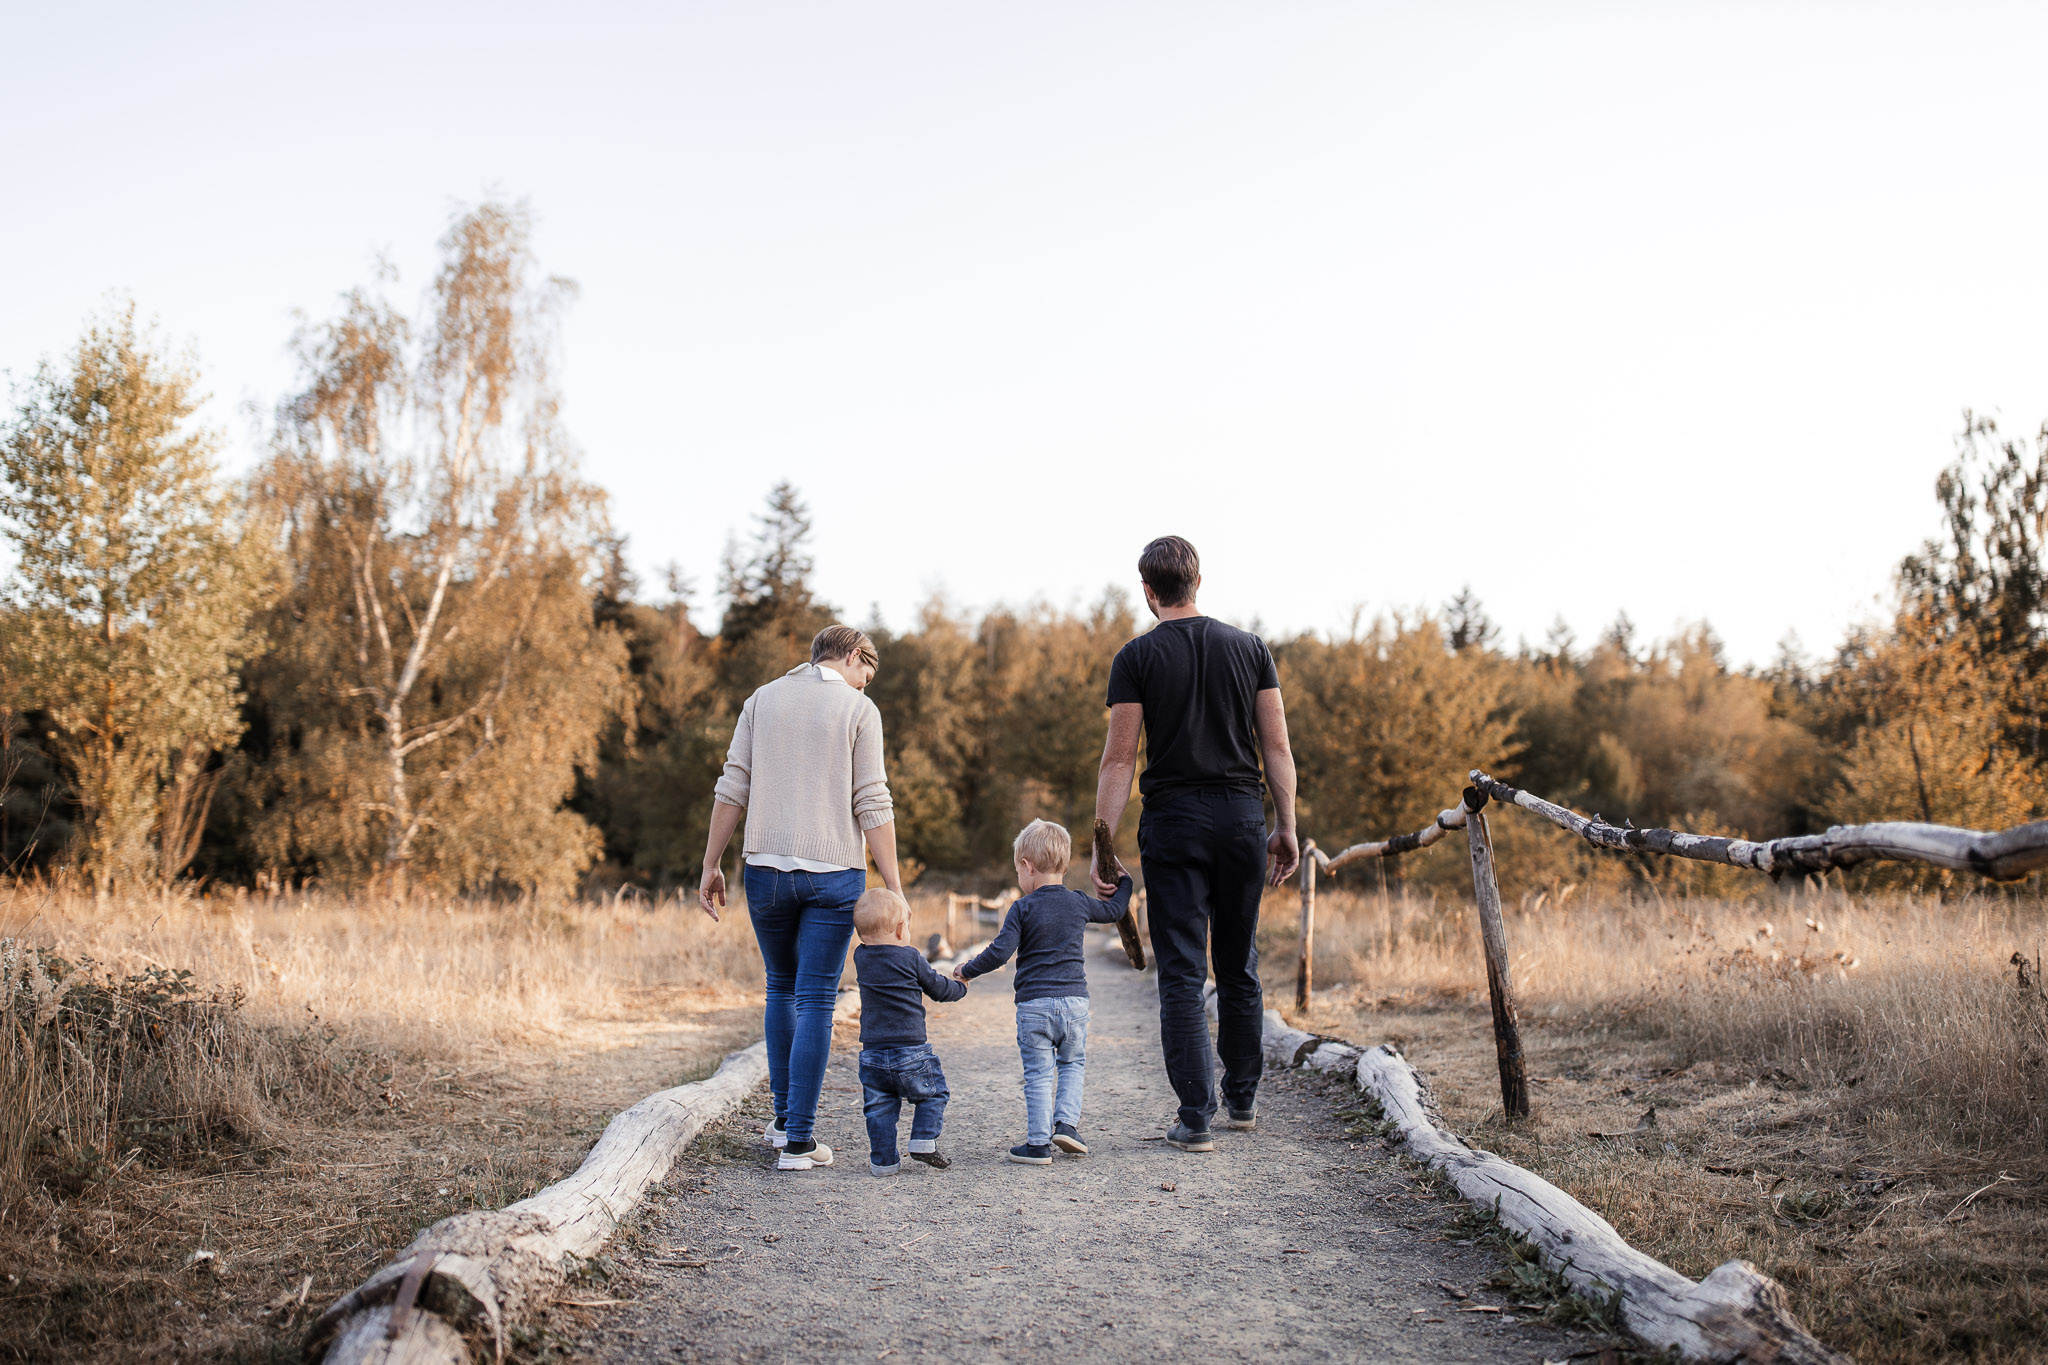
(1030, 1155)
(1188, 1140)
(1067, 1138)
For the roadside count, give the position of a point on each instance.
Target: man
(1207, 698)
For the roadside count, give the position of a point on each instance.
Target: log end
(1745, 1314)
(365, 1339)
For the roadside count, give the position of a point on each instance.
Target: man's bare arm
(1283, 851)
(1119, 767)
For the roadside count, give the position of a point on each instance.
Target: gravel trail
(1295, 1242)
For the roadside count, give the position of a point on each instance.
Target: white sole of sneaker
(1031, 1160)
(1243, 1125)
(820, 1155)
(1198, 1145)
(1071, 1145)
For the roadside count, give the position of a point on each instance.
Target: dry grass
(331, 1076)
(1834, 1078)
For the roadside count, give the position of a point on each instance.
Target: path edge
(485, 1269)
(1736, 1314)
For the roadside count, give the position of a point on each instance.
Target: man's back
(1198, 680)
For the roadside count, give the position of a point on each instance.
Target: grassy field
(192, 1166)
(1851, 1092)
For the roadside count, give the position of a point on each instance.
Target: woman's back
(806, 762)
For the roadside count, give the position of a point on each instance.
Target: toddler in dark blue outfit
(897, 1065)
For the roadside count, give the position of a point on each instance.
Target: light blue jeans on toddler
(1052, 1037)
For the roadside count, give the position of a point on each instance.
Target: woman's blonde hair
(837, 641)
(1044, 846)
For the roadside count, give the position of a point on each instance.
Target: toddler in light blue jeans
(1044, 930)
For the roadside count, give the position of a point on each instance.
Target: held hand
(1283, 856)
(711, 891)
(1104, 890)
(956, 975)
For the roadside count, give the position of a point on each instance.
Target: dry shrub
(98, 1071)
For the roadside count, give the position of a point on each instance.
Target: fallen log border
(482, 1270)
(1736, 1314)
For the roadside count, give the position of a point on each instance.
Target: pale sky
(1663, 308)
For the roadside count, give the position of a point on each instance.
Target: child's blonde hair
(1044, 847)
(878, 911)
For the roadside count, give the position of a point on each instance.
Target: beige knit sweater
(806, 764)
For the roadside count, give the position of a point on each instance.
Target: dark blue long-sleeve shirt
(894, 980)
(1044, 930)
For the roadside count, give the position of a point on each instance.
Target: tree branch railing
(2001, 855)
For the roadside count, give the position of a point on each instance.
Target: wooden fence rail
(2001, 855)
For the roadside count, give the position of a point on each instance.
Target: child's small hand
(958, 977)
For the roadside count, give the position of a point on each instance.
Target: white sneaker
(774, 1136)
(820, 1155)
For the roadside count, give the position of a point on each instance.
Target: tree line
(407, 650)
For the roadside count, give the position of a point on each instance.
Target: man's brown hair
(1170, 566)
(836, 642)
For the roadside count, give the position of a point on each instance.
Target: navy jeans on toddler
(892, 1077)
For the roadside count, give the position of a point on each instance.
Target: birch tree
(442, 679)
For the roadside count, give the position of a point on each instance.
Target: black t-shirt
(1196, 679)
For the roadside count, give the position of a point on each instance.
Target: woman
(806, 767)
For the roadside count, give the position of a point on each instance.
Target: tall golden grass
(1911, 1003)
(131, 1024)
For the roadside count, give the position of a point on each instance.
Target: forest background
(407, 650)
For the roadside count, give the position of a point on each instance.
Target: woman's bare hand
(711, 891)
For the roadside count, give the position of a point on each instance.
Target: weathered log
(1500, 985)
(1304, 976)
(1735, 1314)
(1107, 869)
(2000, 855)
(487, 1268)
(1283, 1044)
(1332, 1056)
(1445, 822)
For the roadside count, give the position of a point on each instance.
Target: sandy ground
(1296, 1242)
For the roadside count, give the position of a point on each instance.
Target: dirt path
(1293, 1243)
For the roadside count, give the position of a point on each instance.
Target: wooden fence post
(1507, 1031)
(1304, 980)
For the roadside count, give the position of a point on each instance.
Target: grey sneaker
(1067, 1138)
(774, 1135)
(1244, 1119)
(1188, 1140)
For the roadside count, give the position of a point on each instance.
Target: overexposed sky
(1662, 308)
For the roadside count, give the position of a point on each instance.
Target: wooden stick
(1107, 868)
(2000, 855)
(1446, 821)
(1500, 985)
(1304, 979)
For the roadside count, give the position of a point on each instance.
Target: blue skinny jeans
(803, 922)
